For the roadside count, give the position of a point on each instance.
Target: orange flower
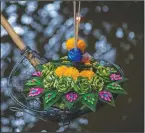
(87, 73)
(60, 70)
(67, 71)
(80, 44)
(73, 72)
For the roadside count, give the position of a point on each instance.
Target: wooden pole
(12, 33)
(17, 40)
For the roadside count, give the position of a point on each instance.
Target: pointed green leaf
(69, 104)
(121, 81)
(106, 94)
(50, 98)
(35, 81)
(112, 103)
(115, 88)
(90, 100)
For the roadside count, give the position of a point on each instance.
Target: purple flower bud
(35, 91)
(37, 74)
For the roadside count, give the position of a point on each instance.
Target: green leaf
(49, 101)
(111, 70)
(35, 81)
(82, 85)
(111, 102)
(69, 104)
(39, 67)
(115, 88)
(64, 58)
(121, 81)
(97, 83)
(64, 84)
(90, 100)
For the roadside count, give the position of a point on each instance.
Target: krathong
(75, 81)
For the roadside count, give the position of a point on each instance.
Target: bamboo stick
(12, 33)
(17, 40)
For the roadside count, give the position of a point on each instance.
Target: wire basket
(21, 72)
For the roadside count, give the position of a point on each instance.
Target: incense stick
(76, 23)
(75, 42)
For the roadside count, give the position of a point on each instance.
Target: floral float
(75, 81)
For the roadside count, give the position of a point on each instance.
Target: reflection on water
(45, 26)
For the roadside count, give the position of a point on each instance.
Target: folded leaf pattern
(67, 86)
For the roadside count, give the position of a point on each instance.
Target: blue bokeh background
(112, 31)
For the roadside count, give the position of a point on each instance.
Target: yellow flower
(67, 71)
(87, 73)
(80, 44)
(72, 72)
(60, 70)
(75, 73)
(70, 44)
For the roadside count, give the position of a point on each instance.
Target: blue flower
(75, 55)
